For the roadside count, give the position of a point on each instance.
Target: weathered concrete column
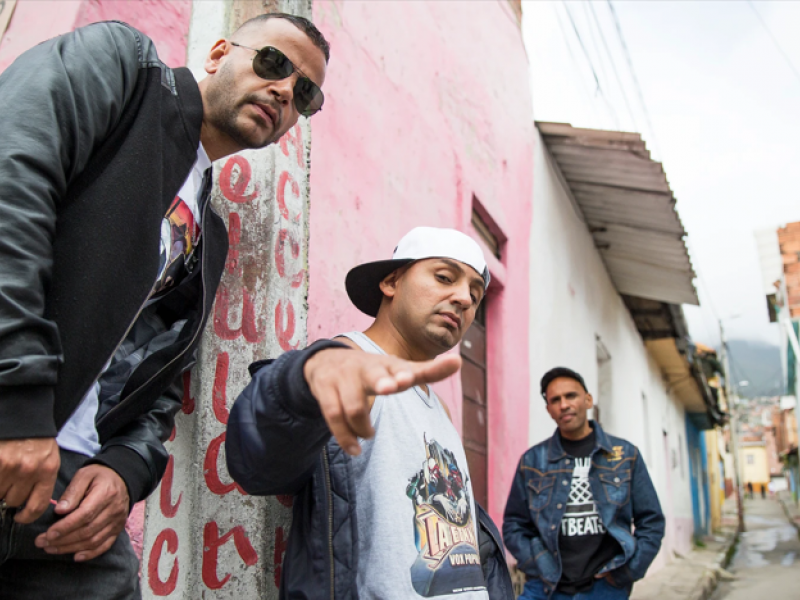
(204, 538)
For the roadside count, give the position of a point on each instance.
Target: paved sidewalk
(695, 576)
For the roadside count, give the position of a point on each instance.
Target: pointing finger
(429, 371)
(378, 378)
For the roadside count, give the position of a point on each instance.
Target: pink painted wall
(427, 104)
(34, 21)
(166, 22)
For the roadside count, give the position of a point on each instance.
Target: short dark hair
(303, 24)
(552, 374)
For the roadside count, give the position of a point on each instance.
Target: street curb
(710, 579)
(789, 515)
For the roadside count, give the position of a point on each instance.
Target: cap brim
(363, 283)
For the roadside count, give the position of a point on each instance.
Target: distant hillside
(760, 364)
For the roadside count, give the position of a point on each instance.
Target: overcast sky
(724, 118)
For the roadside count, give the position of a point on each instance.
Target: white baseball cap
(363, 281)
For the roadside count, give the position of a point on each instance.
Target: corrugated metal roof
(628, 207)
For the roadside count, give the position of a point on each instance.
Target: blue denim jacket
(623, 493)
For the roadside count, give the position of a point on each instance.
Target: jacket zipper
(327, 469)
(194, 337)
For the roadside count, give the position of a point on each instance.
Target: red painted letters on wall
(159, 587)
(211, 543)
(234, 181)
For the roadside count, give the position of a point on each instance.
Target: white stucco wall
(573, 302)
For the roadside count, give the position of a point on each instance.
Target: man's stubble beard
(225, 109)
(421, 335)
(441, 341)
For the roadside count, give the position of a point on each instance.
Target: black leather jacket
(278, 443)
(96, 138)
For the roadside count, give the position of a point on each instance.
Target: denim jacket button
(616, 479)
(558, 505)
(564, 482)
(552, 527)
(567, 461)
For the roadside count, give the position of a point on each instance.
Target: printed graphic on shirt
(581, 517)
(178, 239)
(444, 528)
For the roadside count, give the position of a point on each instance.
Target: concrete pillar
(203, 537)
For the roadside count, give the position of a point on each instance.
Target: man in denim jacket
(574, 497)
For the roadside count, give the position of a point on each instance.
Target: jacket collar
(555, 451)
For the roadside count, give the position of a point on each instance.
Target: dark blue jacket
(623, 493)
(277, 442)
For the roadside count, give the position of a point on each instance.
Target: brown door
(473, 383)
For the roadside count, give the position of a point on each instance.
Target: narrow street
(767, 561)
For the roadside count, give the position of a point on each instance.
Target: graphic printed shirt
(180, 233)
(417, 526)
(180, 229)
(583, 542)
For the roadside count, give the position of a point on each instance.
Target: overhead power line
(775, 41)
(633, 75)
(583, 47)
(602, 67)
(591, 66)
(574, 60)
(614, 67)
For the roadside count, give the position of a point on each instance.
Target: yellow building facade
(718, 459)
(754, 465)
(715, 448)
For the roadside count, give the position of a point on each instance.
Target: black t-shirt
(583, 542)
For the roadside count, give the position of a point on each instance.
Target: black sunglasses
(271, 64)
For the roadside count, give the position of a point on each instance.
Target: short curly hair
(303, 24)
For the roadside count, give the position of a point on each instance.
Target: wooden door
(475, 414)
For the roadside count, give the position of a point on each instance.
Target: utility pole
(732, 404)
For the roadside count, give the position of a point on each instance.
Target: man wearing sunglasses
(110, 257)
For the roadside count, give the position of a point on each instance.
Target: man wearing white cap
(393, 517)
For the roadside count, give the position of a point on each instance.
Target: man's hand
(345, 383)
(28, 471)
(96, 502)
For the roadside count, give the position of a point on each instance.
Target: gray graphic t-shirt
(417, 527)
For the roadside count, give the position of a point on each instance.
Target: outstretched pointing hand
(345, 383)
